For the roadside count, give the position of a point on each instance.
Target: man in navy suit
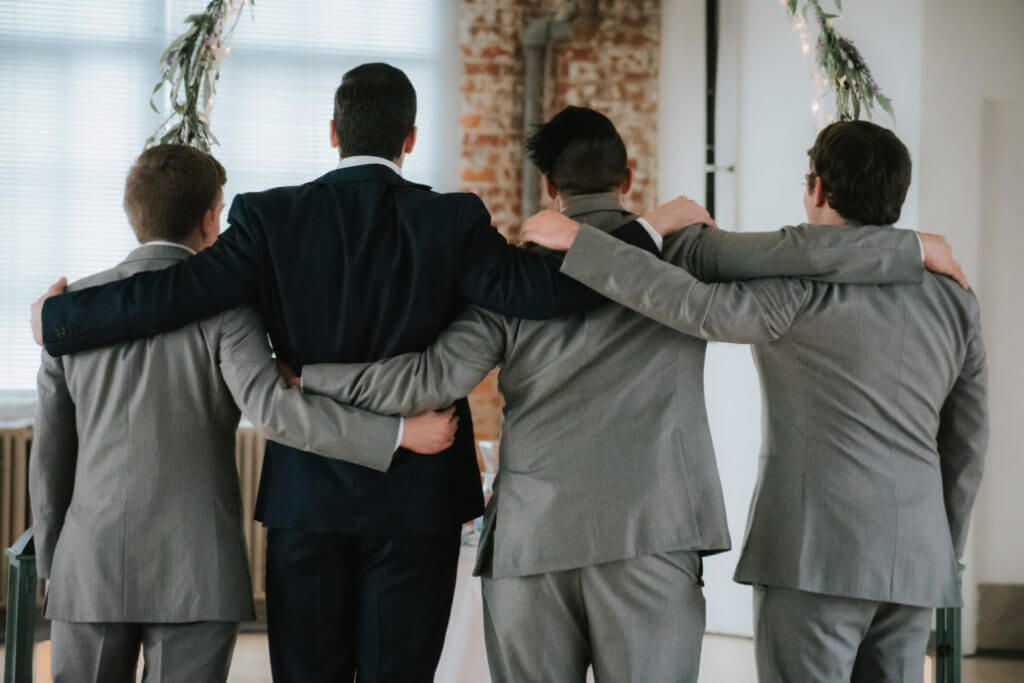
(357, 265)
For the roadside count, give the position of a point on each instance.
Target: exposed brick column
(615, 71)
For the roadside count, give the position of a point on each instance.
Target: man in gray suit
(134, 490)
(875, 425)
(608, 494)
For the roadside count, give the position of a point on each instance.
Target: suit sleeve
(502, 278)
(963, 439)
(411, 383)
(853, 255)
(309, 423)
(743, 312)
(148, 303)
(51, 472)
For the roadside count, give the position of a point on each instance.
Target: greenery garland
(191, 67)
(842, 65)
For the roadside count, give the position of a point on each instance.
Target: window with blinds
(75, 82)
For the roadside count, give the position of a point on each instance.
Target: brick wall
(613, 70)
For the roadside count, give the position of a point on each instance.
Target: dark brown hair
(864, 170)
(374, 110)
(169, 189)
(579, 151)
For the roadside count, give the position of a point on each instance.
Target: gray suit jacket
(133, 484)
(874, 423)
(605, 447)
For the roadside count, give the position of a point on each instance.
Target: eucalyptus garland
(842, 66)
(191, 67)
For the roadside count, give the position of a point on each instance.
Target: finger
(960, 277)
(58, 287)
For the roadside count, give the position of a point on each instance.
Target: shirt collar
(575, 205)
(164, 243)
(364, 159)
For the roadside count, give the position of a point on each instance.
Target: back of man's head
(374, 111)
(864, 170)
(580, 152)
(168, 191)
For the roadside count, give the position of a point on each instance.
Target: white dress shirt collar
(364, 159)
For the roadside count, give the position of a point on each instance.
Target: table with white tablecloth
(464, 659)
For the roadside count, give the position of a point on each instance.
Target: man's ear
(550, 188)
(410, 141)
(817, 191)
(628, 182)
(210, 227)
(334, 135)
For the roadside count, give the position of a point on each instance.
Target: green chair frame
(20, 635)
(948, 645)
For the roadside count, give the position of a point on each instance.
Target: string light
(819, 83)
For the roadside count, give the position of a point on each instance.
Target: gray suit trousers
(640, 619)
(109, 652)
(801, 636)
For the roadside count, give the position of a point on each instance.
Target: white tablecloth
(463, 659)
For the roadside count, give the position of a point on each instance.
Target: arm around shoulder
(151, 302)
(411, 383)
(511, 281)
(310, 423)
(738, 312)
(841, 254)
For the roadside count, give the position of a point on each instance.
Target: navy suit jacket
(357, 265)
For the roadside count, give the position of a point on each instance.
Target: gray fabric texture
(636, 620)
(605, 448)
(874, 421)
(133, 482)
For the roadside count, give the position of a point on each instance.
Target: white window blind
(75, 81)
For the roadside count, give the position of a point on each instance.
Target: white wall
(681, 100)
(939, 61)
(973, 72)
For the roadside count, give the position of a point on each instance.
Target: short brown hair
(864, 171)
(169, 189)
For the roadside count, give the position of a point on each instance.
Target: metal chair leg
(948, 646)
(21, 610)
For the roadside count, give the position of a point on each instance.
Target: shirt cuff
(659, 240)
(920, 244)
(401, 433)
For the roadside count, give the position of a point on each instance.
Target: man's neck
(828, 216)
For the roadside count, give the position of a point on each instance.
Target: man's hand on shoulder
(938, 257)
(288, 375)
(550, 229)
(430, 432)
(676, 214)
(56, 288)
